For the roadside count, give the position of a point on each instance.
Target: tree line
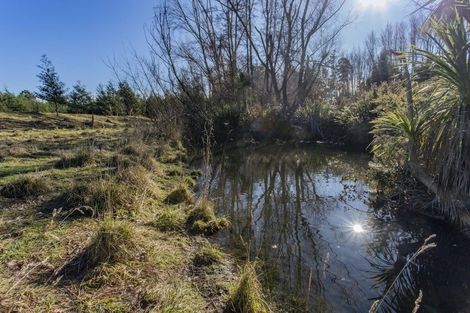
(52, 95)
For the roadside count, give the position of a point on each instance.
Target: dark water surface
(309, 213)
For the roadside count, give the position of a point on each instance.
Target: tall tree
(51, 89)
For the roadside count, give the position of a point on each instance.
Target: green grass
(133, 246)
(247, 294)
(202, 219)
(208, 255)
(170, 219)
(181, 194)
(26, 186)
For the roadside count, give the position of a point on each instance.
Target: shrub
(202, 219)
(247, 295)
(26, 186)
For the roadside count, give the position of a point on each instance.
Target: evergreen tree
(51, 89)
(81, 100)
(107, 100)
(382, 70)
(128, 98)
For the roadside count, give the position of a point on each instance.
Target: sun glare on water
(357, 228)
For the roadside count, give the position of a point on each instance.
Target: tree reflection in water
(295, 209)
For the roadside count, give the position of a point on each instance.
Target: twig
(427, 245)
(26, 275)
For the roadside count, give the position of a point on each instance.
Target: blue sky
(79, 35)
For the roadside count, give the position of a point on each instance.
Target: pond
(309, 214)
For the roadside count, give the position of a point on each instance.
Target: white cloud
(377, 5)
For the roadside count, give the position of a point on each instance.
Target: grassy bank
(97, 219)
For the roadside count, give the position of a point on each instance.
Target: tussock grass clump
(149, 163)
(135, 177)
(114, 242)
(202, 219)
(181, 194)
(78, 159)
(172, 153)
(178, 297)
(120, 162)
(208, 255)
(107, 195)
(102, 196)
(247, 295)
(170, 219)
(195, 174)
(135, 150)
(26, 186)
(189, 181)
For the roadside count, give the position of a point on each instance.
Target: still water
(310, 214)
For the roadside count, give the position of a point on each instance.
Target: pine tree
(51, 89)
(128, 98)
(107, 100)
(81, 100)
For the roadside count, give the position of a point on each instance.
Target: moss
(170, 219)
(26, 186)
(208, 255)
(247, 294)
(181, 194)
(202, 219)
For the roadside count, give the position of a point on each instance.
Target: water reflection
(307, 213)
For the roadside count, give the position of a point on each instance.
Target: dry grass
(79, 158)
(208, 255)
(181, 194)
(112, 243)
(136, 262)
(170, 219)
(202, 218)
(247, 295)
(26, 186)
